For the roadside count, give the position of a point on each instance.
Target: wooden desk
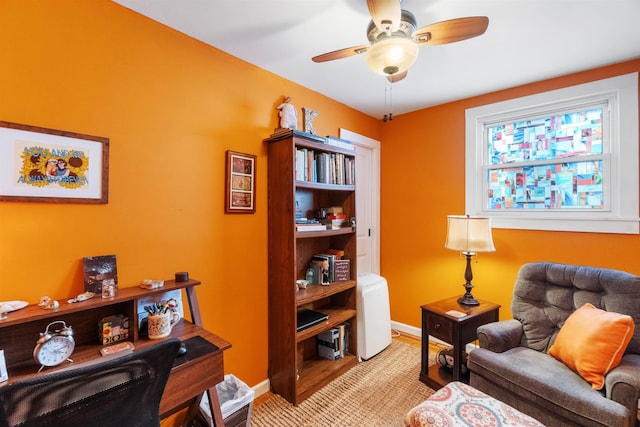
(190, 377)
(457, 331)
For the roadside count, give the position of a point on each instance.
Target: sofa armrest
(623, 383)
(500, 336)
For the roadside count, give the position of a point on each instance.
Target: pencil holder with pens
(160, 324)
(161, 319)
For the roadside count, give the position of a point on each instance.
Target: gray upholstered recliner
(512, 363)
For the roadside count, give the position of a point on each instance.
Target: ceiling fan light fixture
(392, 55)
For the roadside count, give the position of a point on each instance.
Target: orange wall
(423, 173)
(171, 107)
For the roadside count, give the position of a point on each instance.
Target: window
(560, 160)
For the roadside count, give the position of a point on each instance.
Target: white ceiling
(527, 41)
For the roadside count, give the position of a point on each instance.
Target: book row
(326, 268)
(325, 168)
(333, 343)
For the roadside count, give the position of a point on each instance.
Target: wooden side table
(439, 320)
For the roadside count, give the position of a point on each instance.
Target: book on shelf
(303, 220)
(335, 210)
(329, 344)
(328, 352)
(310, 227)
(300, 165)
(337, 252)
(341, 270)
(330, 335)
(334, 342)
(345, 338)
(335, 346)
(337, 221)
(337, 216)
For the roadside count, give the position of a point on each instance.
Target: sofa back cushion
(545, 295)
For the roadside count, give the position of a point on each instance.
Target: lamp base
(468, 299)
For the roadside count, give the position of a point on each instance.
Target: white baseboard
(413, 331)
(406, 329)
(262, 388)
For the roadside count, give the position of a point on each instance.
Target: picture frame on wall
(240, 183)
(47, 165)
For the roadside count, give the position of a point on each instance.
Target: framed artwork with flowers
(46, 165)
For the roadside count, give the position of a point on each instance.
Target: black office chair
(119, 392)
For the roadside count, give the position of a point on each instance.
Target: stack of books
(304, 224)
(333, 343)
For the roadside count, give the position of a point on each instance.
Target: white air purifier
(374, 316)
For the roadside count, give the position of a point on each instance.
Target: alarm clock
(54, 346)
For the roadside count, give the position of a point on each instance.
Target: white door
(367, 200)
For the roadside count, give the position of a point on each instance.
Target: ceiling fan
(394, 38)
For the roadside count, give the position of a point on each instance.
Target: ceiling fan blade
(397, 77)
(341, 53)
(451, 31)
(385, 14)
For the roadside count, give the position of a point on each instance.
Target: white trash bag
(233, 395)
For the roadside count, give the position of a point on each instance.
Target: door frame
(374, 193)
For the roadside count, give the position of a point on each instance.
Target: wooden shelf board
(319, 372)
(323, 186)
(336, 317)
(318, 292)
(34, 312)
(324, 233)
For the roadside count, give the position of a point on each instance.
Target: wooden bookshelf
(295, 369)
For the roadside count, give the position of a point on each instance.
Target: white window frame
(620, 144)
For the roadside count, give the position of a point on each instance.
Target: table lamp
(469, 235)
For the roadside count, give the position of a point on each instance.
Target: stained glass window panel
(562, 135)
(573, 185)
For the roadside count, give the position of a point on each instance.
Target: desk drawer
(191, 380)
(440, 327)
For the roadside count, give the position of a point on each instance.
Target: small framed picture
(240, 183)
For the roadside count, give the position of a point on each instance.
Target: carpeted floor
(376, 392)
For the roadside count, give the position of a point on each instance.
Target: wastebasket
(236, 402)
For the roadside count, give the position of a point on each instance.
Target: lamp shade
(391, 56)
(469, 234)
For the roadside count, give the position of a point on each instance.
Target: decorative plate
(9, 306)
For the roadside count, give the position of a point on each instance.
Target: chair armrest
(500, 336)
(623, 383)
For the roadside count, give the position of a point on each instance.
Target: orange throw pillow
(592, 342)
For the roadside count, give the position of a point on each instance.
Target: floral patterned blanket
(459, 404)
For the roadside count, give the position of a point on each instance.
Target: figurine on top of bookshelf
(288, 115)
(309, 115)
